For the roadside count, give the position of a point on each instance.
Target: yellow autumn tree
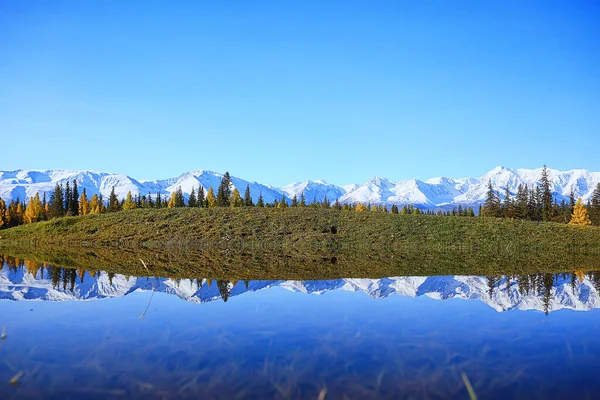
(580, 215)
(34, 210)
(129, 204)
(361, 207)
(210, 198)
(84, 204)
(2, 212)
(94, 205)
(236, 199)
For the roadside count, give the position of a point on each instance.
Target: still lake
(74, 334)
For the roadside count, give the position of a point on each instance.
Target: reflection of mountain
(544, 292)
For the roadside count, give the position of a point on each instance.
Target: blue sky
(281, 91)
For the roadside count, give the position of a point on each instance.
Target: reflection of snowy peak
(439, 192)
(21, 285)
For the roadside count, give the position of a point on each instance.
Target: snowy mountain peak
(441, 192)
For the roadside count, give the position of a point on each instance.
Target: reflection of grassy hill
(300, 244)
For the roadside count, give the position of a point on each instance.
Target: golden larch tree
(34, 210)
(235, 199)
(210, 198)
(129, 204)
(84, 204)
(580, 215)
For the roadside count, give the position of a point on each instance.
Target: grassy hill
(304, 243)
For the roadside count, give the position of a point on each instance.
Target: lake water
(90, 334)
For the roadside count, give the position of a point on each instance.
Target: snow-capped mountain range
(441, 192)
(19, 284)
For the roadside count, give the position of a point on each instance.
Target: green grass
(299, 244)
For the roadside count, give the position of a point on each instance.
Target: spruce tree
(547, 200)
(67, 199)
(248, 198)
(192, 201)
(201, 199)
(283, 203)
(113, 202)
(394, 209)
(74, 202)
(302, 200)
(224, 191)
(492, 202)
(294, 201)
(260, 202)
(57, 202)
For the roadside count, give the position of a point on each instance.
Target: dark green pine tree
(179, 199)
(192, 201)
(492, 202)
(67, 199)
(325, 203)
(74, 202)
(395, 209)
(521, 202)
(158, 200)
(113, 202)
(595, 206)
(547, 201)
(302, 200)
(294, 201)
(224, 191)
(57, 202)
(248, 197)
(260, 202)
(150, 201)
(201, 197)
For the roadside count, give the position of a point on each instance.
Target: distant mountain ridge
(435, 193)
(19, 284)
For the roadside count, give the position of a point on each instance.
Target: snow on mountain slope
(442, 192)
(21, 285)
(24, 184)
(313, 190)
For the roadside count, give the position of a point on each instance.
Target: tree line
(529, 203)
(537, 203)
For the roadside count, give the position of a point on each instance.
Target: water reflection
(546, 292)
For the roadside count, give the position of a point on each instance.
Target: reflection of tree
(548, 283)
(492, 283)
(223, 289)
(111, 275)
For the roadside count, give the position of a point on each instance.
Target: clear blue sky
(279, 91)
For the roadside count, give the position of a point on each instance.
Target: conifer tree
(521, 202)
(158, 201)
(260, 202)
(508, 207)
(129, 204)
(84, 205)
(113, 202)
(294, 201)
(150, 201)
(19, 214)
(492, 202)
(34, 210)
(547, 200)
(57, 209)
(595, 205)
(394, 209)
(94, 205)
(336, 205)
(236, 199)
(67, 199)
(74, 202)
(211, 201)
(248, 197)
(201, 199)
(224, 191)
(417, 211)
(192, 201)
(580, 215)
(302, 200)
